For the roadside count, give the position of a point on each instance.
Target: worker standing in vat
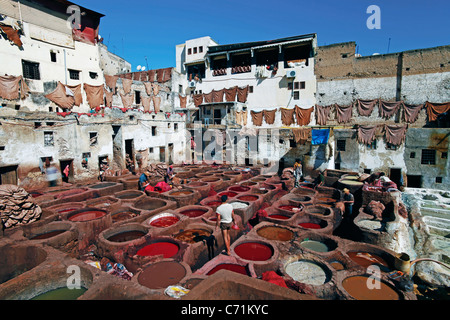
(298, 173)
(225, 219)
(169, 175)
(349, 199)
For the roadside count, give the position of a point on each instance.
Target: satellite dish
(139, 67)
(143, 68)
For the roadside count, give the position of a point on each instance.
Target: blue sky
(134, 29)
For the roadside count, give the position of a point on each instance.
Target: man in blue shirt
(144, 180)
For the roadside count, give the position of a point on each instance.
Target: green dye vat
(61, 294)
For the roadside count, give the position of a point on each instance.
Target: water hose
(428, 259)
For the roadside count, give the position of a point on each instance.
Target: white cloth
(225, 210)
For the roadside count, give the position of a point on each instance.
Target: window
(195, 50)
(372, 145)
(428, 156)
(175, 127)
(37, 125)
(180, 88)
(137, 97)
(444, 155)
(31, 70)
(48, 139)
(93, 75)
(292, 143)
(52, 56)
(200, 49)
(74, 74)
(296, 95)
(340, 145)
(2, 148)
(290, 85)
(86, 155)
(412, 155)
(302, 84)
(189, 51)
(390, 146)
(438, 179)
(93, 138)
(296, 85)
(153, 131)
(250, 89)
(150, 150)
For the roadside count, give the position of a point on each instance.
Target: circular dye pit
(86, 215)
(47, 235)
(239, 188)
(307, 272)
(337, 265)
(369, 288)
(289, 208)
(126, 236)
(127, 195)
(149, 204)
(213, 203)
(69, 193)
(193, 213)
(279, 216)
(319, 210)
(166, 249)
(248, 198)
(254, 251)
(301, 199)
(229, 194)
(163, 220)
(374, 225)
(314, 245)
(181, 193)
(309, 225)
(192, 235)
(102, 185)
(229, 266)
(63, 293)
(162, 274)
(123, 215)
(366, 259)
(248, 183)
(275, 233)
(239, 205)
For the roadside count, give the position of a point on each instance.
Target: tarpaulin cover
(319, 136)
(60, 97)
(146, 101)
(12, 34)
(301, 135)
(10, 85)
(198, 99)
(365, 107)
(156, 103)
(208, 97)
(322, 114)
(230, 94)
(411, 112)
(395, 134)
(111, 81)
(77, 94)
(257, 117)
(343, 113)
(127, 100)
(287, 116)
(182, 101)
(242, 94)
(388, 109)
(269, 116)
(109, 98)
(148, 88)
(126, 84)
(366, 134)
(435, 109)
(218, 95)
(303, 115)
(94, 95)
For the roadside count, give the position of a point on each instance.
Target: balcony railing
(241, 69)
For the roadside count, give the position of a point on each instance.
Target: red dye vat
(214, 203)
(287, 207)
(193, 213)
(87, 216)
(67, 210)
(228, 266)
(164, 222)
(248, 198)
(308, 225)
(228, 194)
(254, 251)
(167, 249)
(239, 188)
(47, 235)
(278, 216)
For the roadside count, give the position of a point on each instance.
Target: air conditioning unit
(291, 74)
(192, 84)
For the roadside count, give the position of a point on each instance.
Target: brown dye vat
(337, 265)
(102, 185)
(192, 235)
(127, 236)
(86, 215)
(248, 184)
(66, 207)
(357, 287)
(149, 204)
(69, 193)
(248, 197)
(318, 210)
(275, 233)
(104, 202)
(366, 259)
(128, 194)
(123, 215)
(162, 274)
(181, 193)
(47, 235)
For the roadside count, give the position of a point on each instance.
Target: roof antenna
(389, 45)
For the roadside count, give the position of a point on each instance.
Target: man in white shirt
(225, 219)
